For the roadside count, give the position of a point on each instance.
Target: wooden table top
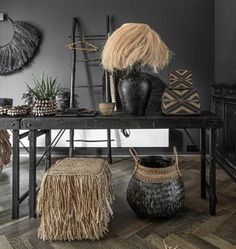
(120, 121)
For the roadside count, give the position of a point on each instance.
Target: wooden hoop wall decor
(21, 49)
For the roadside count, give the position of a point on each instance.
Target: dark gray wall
(187, 26)
(225, 40)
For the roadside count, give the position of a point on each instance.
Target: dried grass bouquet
(135, 44)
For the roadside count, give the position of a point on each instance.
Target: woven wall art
(21, 49)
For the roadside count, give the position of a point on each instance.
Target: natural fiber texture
(75, 200)
(134, 43)
(106, 108)
(5, 148)
(180, 98)
(156, 174)
(156, 188)
(20, 50)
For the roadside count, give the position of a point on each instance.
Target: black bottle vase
(134, 94)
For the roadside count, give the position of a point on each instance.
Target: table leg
(48, 149)
(15, 175)
(203, 162)
(32, 173)
(212, 174)
(71, 149)
(109, 156)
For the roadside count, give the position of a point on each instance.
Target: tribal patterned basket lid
(181, 101)
(180, 79)
(180, 98)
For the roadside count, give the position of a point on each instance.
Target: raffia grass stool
(75, 199)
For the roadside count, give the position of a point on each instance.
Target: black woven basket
(156, 188)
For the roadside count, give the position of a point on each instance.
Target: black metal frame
(32, 135)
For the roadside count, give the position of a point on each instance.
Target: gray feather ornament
(21, 49)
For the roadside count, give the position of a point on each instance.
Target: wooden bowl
(106, 108)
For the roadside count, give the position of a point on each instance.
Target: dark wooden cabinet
(224, 104)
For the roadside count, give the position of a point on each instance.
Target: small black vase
(134, 93)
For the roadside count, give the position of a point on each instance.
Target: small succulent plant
(45, 88)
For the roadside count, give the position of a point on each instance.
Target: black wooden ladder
(74, 62)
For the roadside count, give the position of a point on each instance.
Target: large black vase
(134, 94)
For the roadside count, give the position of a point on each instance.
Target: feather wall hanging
(21, 49)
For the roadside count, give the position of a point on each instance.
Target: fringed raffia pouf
(75, 199)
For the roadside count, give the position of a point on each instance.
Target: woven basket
(180, 98)
(44, 107)
(156, 188)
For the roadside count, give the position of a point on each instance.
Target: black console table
(37, 126)
(8, 123)
(205, 121)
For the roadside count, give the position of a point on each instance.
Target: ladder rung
(90, 141)
(88, 60)
(88, 86)
(90, 37)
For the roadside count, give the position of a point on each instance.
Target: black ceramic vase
(134, 94)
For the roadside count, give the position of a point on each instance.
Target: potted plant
(127, 50)
(44, 95)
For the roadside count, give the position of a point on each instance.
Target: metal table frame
(37, 126)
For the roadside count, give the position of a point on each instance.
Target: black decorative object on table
(21, 49)
(63, 99)
(134, 91)
(6, 102)
(158, 87)
(156, 189)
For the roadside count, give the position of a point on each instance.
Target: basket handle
(176, 160)
(135, 156)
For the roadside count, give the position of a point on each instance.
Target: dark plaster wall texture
(187, 26)
(225, 41)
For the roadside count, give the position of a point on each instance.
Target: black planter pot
(134, 94)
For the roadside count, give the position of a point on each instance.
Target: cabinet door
(218, 108)
(230, 132)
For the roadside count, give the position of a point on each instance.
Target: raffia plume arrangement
(135, 43)
(5, 148)
(75, 200)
